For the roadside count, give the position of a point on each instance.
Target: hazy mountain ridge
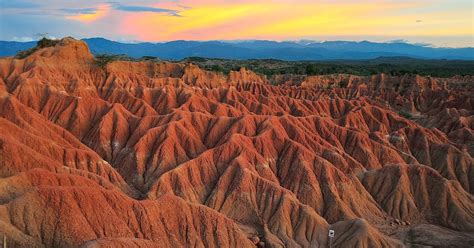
(261, 49)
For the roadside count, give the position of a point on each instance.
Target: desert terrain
(161, 154)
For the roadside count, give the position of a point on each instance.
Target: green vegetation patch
(395, 66)
(406, 115)
(103, 59)
(44, 42)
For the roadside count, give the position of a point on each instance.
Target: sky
(441, 23)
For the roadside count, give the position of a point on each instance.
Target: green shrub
(405, 114)
(147, 58)
(103, 59)
(196, 59)
(44, 42)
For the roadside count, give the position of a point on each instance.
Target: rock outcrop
(142, 154)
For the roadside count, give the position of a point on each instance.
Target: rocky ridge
(166, 155)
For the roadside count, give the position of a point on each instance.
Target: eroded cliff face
(168, 155)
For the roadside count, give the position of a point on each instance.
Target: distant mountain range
(261, 49)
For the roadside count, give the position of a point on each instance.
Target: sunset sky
(441, 23)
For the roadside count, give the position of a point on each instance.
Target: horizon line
(295, 41)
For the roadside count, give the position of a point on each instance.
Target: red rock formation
(160, 154)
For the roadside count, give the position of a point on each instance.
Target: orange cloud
(284, 19)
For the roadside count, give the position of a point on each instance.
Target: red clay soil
(143, 154)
